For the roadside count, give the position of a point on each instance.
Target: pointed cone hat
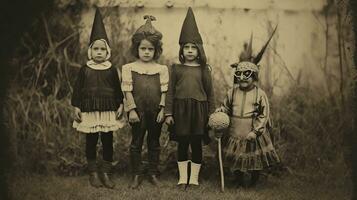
(98, 29)
(189, 30)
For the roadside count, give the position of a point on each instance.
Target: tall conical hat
(98, 29)
(190, 34)
(189, 30)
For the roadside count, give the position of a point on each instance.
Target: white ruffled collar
(99, 66)
(146, 68)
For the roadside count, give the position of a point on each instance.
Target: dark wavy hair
(154, 39)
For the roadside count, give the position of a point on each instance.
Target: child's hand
(161, 116)
(119, 112)
(133, 116)
(169, 120)
(77, 115)
(251, 136)
(218, 134)
(218, 110)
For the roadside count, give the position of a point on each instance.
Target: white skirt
(93, 122)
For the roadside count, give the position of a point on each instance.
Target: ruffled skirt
(99, 121)
(244, 155)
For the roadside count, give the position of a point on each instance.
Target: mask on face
(243, 75)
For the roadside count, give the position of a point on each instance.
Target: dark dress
(97, 90)
(189, 100)
(97, 93)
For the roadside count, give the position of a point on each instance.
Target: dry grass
(54, 187)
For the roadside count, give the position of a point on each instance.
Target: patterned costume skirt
(104, 121)
(244, 155)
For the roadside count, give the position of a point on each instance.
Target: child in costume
(145, 84)
(248, 146)
(98, 102)
(190, 100)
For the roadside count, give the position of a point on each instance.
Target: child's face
(245, 78)
(99, 51)
(190, 52)
(146, 51)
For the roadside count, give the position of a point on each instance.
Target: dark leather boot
(107, 182)
(93, 175)
(105, 177)
(154, 159)
(154, 180)
(135, 160)
(182, 186)
(136, 182)
(254, 178)
(94, 180)
(239, 179)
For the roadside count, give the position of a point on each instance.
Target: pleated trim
(93, 122)
(93, 103)
(245, 155)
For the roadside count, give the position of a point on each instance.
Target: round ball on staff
(218, 121)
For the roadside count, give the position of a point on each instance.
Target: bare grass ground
(36, 187)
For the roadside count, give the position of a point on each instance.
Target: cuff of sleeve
(127, 88)
(164, 87)
(129, 106)
(168, 111)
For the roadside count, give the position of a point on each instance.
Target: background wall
(296, 53)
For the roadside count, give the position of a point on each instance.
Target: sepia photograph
(178, 99)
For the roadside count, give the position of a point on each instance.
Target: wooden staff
(220, 164)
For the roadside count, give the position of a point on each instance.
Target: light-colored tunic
(243, 114)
